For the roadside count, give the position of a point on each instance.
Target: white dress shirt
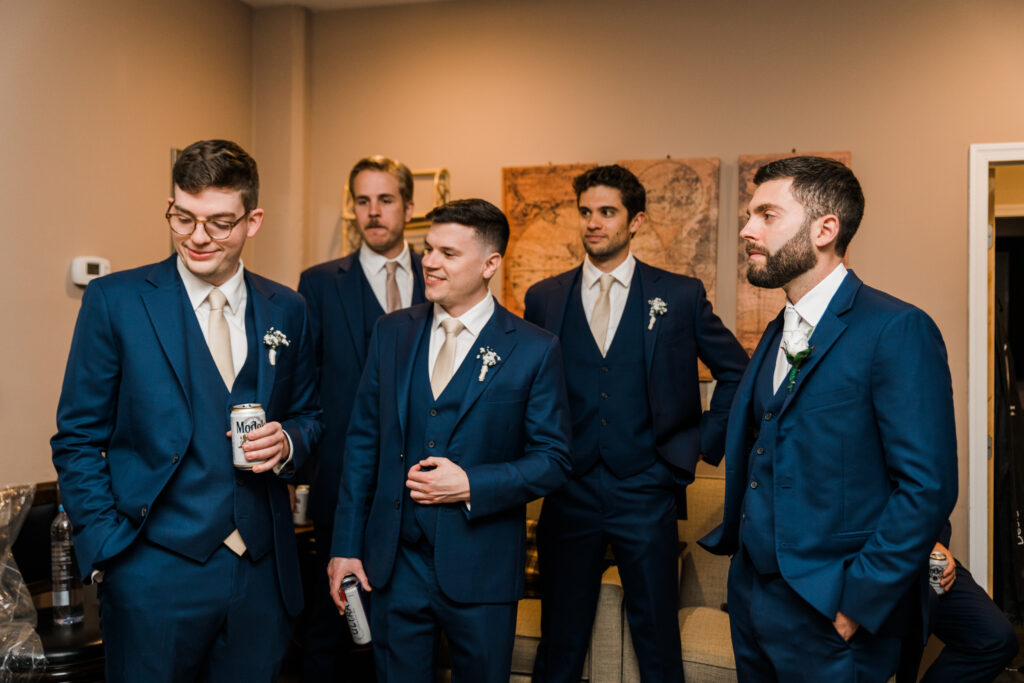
(473, 320)
(617, 295)
(375, 269)
(812, 306)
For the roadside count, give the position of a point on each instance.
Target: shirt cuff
(286, 464)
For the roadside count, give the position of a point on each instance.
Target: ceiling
(331, 4)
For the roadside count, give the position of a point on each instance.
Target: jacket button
(401, 456)
(433, 412)
(430, 444)
(753, 484)
(604, 394)
(174, 459)
(768, 416)
(760, 450)
(398, 504)
(604, 368)
(144, 510)
(604, 421)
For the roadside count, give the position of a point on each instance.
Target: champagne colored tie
(602, 312)
(444, 366)
(220, 338)
(394, 299)
(790, 327)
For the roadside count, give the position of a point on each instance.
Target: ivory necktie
(394, 299)
(602, 312)
(793, 326)
(220, 348)
(444, 366)
(219, 338)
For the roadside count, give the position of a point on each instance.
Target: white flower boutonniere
(488, 359)
(797, 349)
(658, 309)
(272, 340)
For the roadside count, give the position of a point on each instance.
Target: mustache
(751, 249)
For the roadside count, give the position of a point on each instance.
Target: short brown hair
(378, 162)
(218, 163)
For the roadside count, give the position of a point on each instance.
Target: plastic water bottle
(67, 586)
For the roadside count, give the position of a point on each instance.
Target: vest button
(604, 421)
(768, 416)
(604, 394)
(174, 459)
(760, 450)
(430, 444)
(144, 510)
(753, 484)
(604, 368)
(433, 412)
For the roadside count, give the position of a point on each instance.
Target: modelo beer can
(300, 516)
(936, 565)
(355, 613)
(244, 418)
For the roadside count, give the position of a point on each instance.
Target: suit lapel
(649, 289)
(408, 338)
(418, 295)
(166, 312)
(351, 286)
(828, 330)
(554, 316)
(267, 314)
(497, 335)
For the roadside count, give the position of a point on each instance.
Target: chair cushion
(706, 641)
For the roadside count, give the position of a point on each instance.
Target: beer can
(244, 418)
(299, 517)
(355, 612)
(936, 565)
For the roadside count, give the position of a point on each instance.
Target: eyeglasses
(185, 224)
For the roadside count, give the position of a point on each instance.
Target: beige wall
(94, 95)
(476, 86)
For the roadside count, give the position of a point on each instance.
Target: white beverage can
(936, 565)
(355, 612)
(244, 418)
(300, 516)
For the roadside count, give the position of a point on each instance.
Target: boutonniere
(272, 340)
(488, 359)
(658, 309)
(797, 350)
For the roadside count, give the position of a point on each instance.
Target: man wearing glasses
(196, 558)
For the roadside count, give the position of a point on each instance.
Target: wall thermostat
(84, 269)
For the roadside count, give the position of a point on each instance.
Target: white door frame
(981, 156)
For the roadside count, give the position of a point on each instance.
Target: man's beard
(793, 259)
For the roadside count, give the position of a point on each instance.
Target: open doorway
(985, 162)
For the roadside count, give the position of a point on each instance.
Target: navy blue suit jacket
(865, 462)
(334, 292)
(687, 331)
(511, 438)
(126, 396)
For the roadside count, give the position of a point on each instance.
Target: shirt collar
(623, 273)
(474, 319)
(198, 290)
(373, 262)
(812, 305)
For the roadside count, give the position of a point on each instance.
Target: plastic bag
(21, 651)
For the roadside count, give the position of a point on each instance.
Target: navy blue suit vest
(202, 503)
(608, 395)
(431, 423)
(757, 523)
